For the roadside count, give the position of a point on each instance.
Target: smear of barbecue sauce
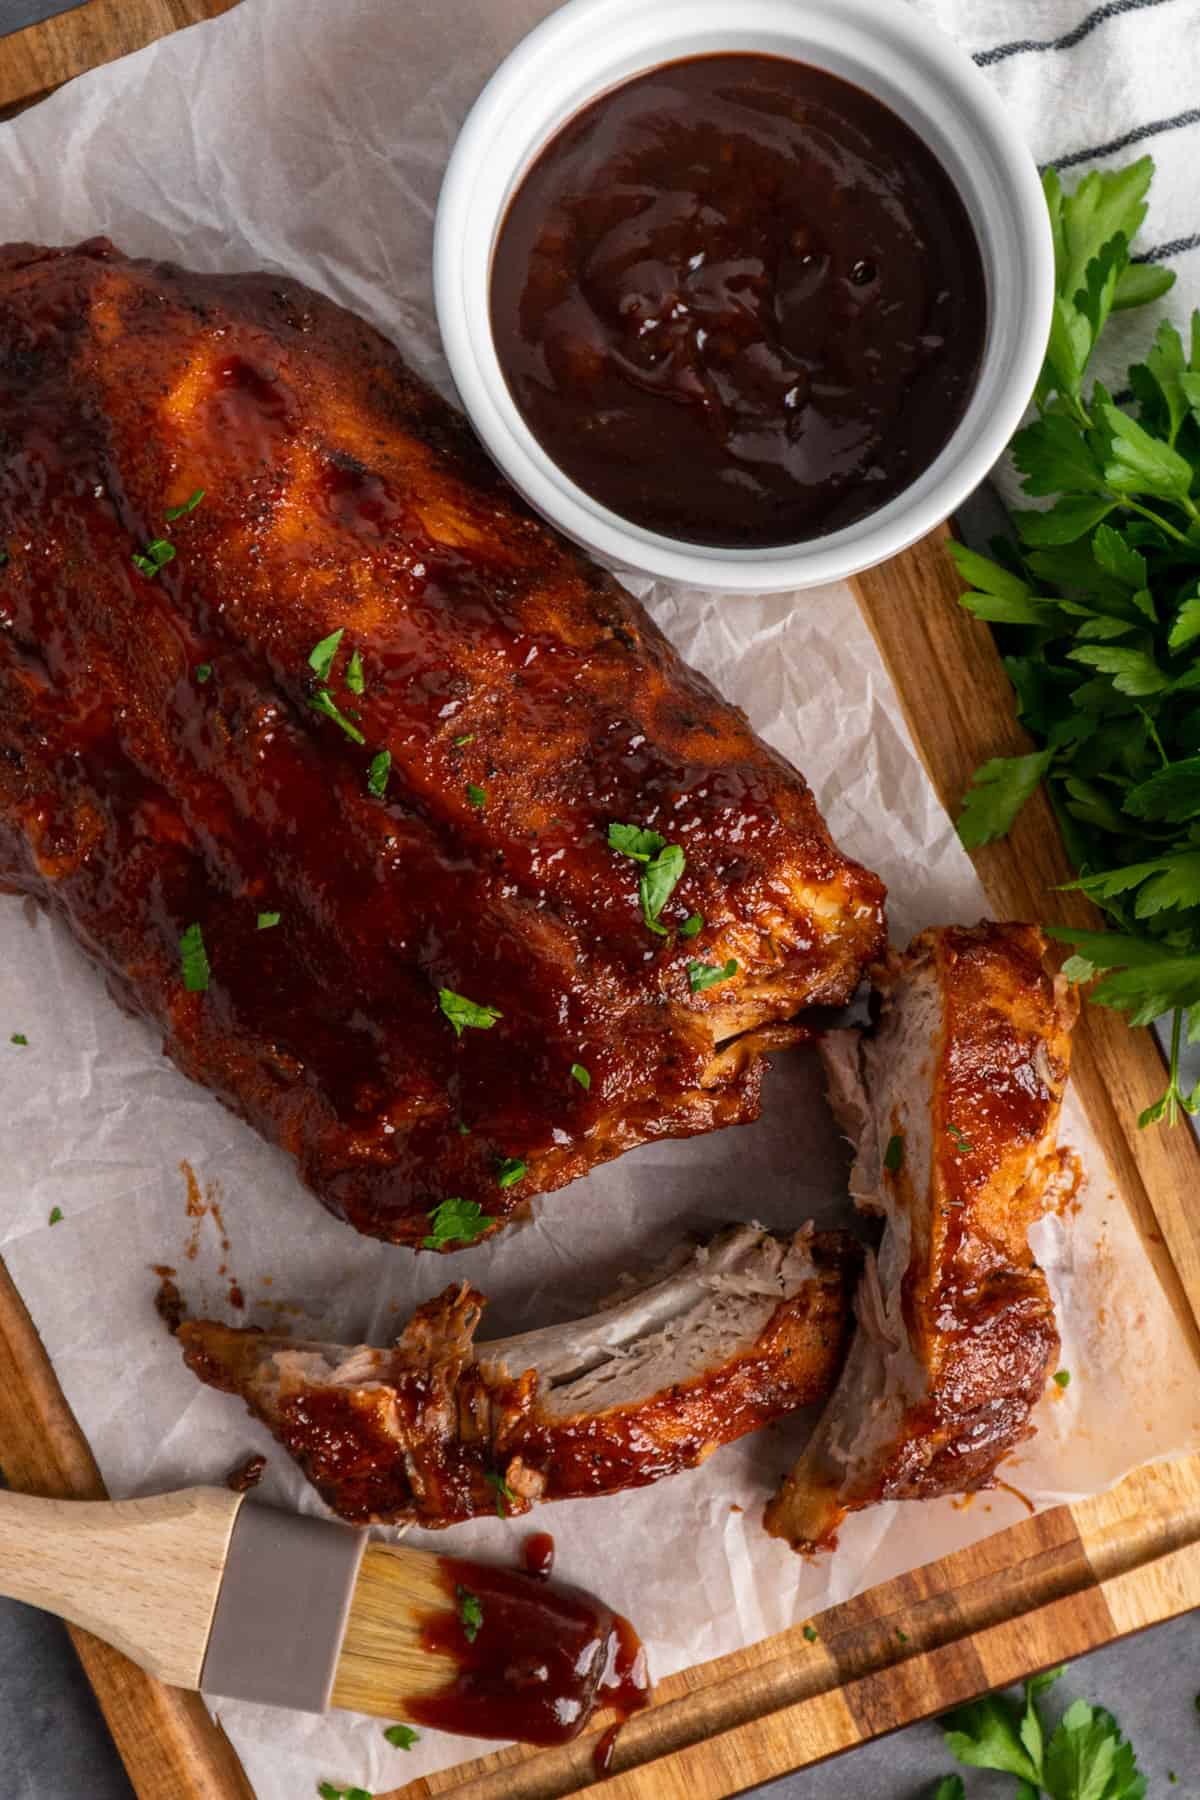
(543, 1660)
(537, 1553)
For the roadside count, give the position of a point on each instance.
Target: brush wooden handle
(142, 1574)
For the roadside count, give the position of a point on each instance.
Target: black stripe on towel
(986, 58)
(1157, 128)
(1164, 252)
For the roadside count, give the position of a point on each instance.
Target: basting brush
(246, 1602)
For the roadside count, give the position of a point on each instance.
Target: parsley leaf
(581, 1075)
(663, 864)
(18, 1037)
(1062, 1378)
(505, 1498)
(157, 554)
(468, 737)
(203, 672)
(950, 1787)
(893, 1156)
(354, 674)
(692, 925)
(320, 657)
(56, 1213)
(657, 883)
(632, 840)
(476, 796)
(193, 958)
(810, 1634)
(190, 504)
(462, 1012)
(456, 1221)
(999, 790)
(470, 1612)
(327, 1791)
(511, 1170)
(961, 1146)
(377, 774)
(402, 1737)
(705, 975)
(323, 702)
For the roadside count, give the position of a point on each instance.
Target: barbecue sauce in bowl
(739, 302)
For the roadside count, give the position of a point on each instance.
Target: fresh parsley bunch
(1085, 1758)
(1100, 610)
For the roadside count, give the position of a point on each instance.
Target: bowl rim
(491, 155)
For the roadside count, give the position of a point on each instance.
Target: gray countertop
(54, 1746)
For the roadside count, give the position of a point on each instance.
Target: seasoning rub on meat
(402, 821)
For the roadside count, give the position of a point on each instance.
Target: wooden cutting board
(1038, 1593)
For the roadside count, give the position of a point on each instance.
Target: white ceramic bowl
(590, 46)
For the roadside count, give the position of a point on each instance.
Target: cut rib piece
(440, 1429)
(187, 744)
(953, 1106)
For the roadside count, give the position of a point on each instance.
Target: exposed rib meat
(440, 1429)
(169, 759)
(963, 1078)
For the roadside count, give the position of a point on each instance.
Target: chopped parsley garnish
(156, 555)
(902, 1636)
(810, 1634)
(462, 1012)
(456, 1221)
(320, 657)
(692, 925)
(190, 504)
(705, 975)
(893, 1156)
(657, 883)
(402, 1737)
(662, 866)
(203, 672)
(194, 960)
(511, 1170)
(354, 674)
(327, 1791)
(468, 737)
(476, 795)
(581, 1075)
(324, 702)
(504, 1494)
(632, 840)
(377, 774)
(56, 1213)
(462, 1129)
(469, 1611)
(1062, 1378)
(266, 921)
(957, 1138)
(18, 1037)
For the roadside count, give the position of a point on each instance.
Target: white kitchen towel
(1094, 88)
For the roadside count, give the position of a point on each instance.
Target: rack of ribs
(439, 1428)
(315, 738)
(953, 1107)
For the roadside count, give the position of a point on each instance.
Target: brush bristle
(382, 1663)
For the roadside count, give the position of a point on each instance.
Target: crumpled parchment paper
(312, 138)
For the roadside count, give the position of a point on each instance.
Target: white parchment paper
(311, 137)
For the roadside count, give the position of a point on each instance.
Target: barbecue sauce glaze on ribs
(169, 758)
